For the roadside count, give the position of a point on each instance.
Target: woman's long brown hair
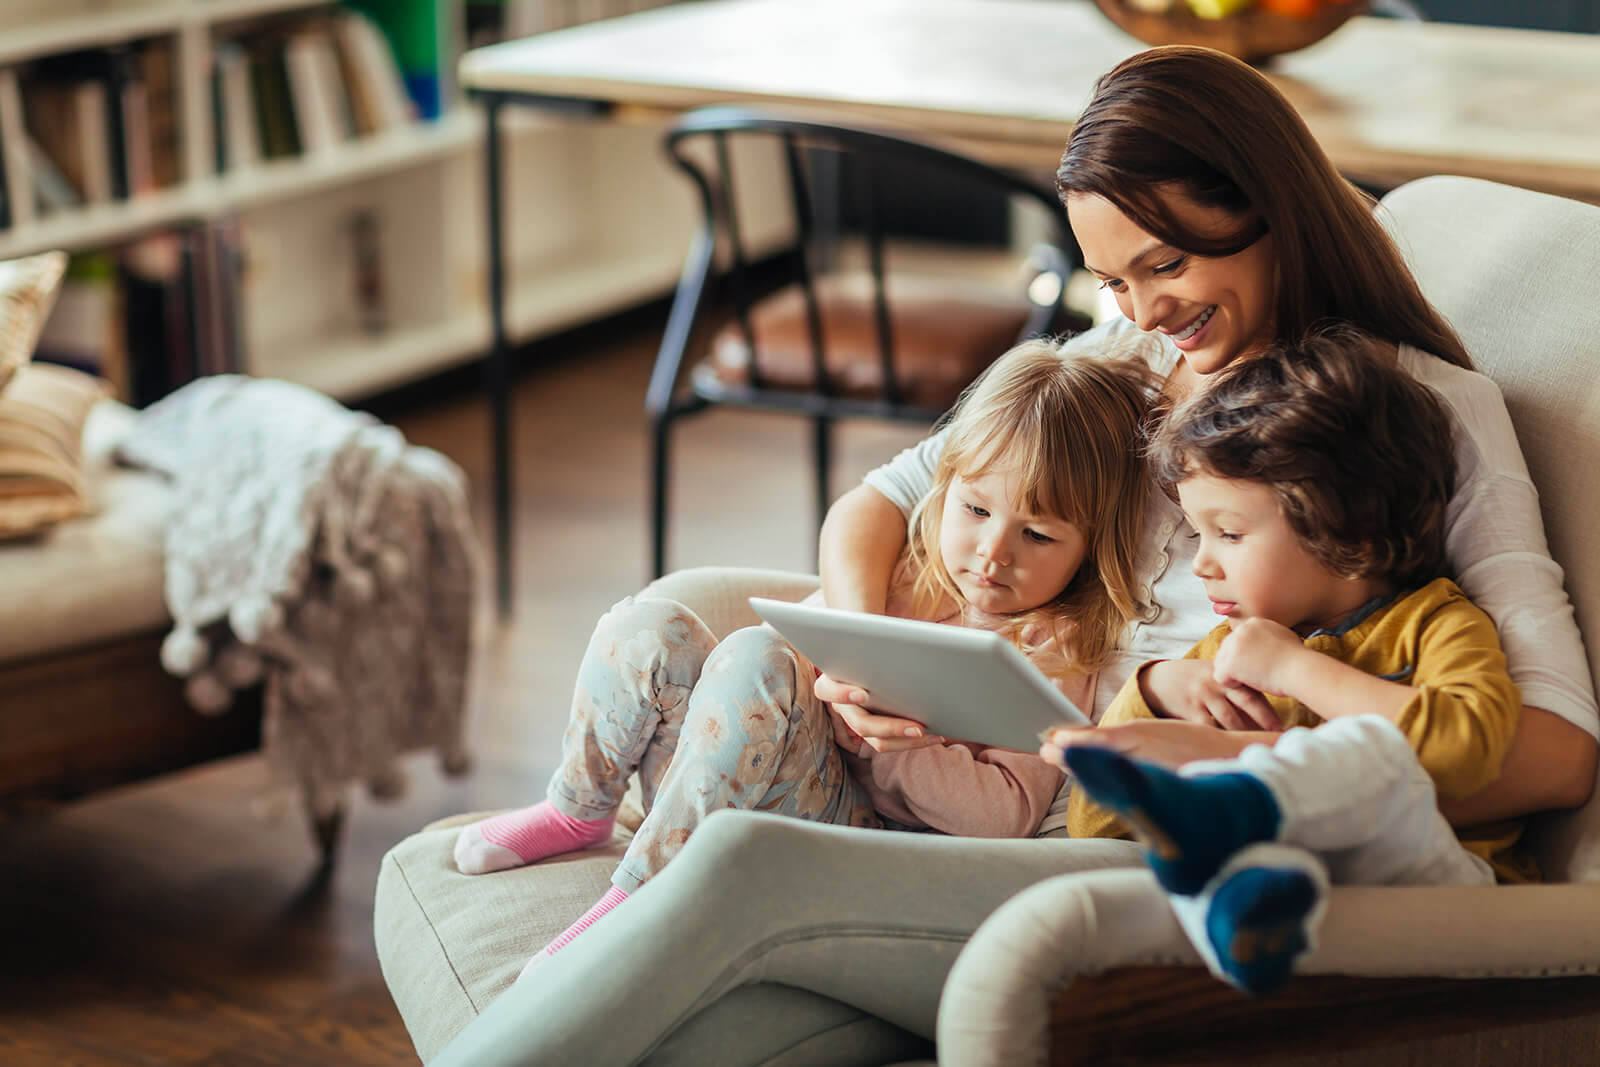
(1213, 126)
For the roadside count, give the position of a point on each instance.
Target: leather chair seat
(945, 333)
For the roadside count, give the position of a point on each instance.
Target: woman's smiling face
(1214, 309)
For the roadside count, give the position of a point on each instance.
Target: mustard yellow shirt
(1460, 720)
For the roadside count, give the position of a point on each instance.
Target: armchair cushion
(449, 943)
(97, 578)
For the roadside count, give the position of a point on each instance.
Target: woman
(1201, 200)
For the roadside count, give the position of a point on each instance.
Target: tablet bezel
(953, 680)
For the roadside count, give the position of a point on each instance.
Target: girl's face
(1215, 309)
(1003, 558)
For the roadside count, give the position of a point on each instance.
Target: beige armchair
(1092, 968)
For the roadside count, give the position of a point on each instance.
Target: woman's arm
(1551, 764)
(861, 540)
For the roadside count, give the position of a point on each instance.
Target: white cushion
(95, 578)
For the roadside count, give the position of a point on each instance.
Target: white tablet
(971, 685)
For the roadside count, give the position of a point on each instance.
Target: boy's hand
(854, 724)
(1258, 654)
(1189, 689)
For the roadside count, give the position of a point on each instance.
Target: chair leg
(658, 495)
(822, 456)
(326, 830)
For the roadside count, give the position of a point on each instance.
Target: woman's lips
(1187, 341)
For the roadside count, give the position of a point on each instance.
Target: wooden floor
(176, 923)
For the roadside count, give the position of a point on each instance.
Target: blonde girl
(1030, 529)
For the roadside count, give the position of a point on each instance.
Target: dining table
(1388, 99)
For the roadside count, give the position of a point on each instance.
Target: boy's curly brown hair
(1359, 454)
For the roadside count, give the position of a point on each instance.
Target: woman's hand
(1189, 689)
(854, 723)
(1165, 741)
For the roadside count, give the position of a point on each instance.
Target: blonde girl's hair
(1072, 419)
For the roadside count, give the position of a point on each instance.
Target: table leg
(497, 369)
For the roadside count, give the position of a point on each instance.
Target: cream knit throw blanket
(313, 550)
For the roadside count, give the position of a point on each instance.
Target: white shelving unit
(596, 220)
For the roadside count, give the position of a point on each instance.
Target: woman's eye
(1172, 266)
(1114, 284)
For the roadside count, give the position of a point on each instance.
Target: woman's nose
(1144, 307)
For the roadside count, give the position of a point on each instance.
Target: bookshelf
(597, 220)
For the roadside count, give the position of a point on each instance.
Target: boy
(1316, 477)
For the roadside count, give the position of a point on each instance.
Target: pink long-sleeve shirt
(962, 788)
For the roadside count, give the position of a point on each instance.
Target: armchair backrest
(1514, 271)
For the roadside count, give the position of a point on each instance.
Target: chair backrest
(1514, 271)
(840, 181)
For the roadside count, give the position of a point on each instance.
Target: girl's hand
(1258, 654)
(1165, 741)
(854, 724)
(1189, 689)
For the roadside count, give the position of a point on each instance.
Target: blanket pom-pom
(207, 695)
(309, 684)
(387, 784)
(184, 651)
(392, 565)
(355, 585)
(239, 666)
(253, 616)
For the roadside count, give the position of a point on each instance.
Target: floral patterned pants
(707, 725)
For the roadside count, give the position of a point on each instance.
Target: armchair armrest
(1094, 968)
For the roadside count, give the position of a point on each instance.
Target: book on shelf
(157, 68)
(85, 327)
(316, 91)
(269, 84)
(69, 121)
(377, 87)
(52, 190)
(421, 39)
(237, 138)
(14, 152)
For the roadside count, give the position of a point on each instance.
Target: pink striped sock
(613, 897)
(518, 838)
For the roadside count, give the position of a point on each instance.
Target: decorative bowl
(1254, 34)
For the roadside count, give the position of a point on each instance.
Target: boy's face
(1003, 558)
(1252, 562)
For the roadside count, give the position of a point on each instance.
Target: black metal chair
(809, 334)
